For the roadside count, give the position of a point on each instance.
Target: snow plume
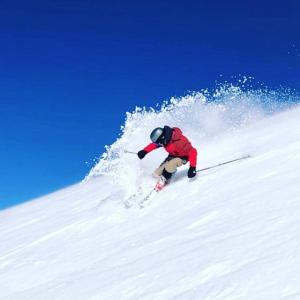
(203, 117)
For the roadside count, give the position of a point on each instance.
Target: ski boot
(162, 181)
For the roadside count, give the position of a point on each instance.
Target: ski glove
(141, 154)
(192, 172)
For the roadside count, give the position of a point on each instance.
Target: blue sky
(69, 71)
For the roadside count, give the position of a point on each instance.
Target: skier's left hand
(141, 154)
(192, 172)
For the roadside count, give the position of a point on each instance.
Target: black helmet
(156, 135)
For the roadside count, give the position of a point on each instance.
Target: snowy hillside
(233, 233)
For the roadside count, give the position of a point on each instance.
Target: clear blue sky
(69, 70)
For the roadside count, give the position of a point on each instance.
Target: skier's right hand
(141, 154)
(192, 172)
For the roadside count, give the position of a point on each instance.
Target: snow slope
(234, 233)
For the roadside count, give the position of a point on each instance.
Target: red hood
(177, 134)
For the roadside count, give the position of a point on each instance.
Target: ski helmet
(156, 135)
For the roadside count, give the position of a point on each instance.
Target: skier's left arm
(193, 162)
(142, 153)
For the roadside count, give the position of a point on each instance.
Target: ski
(129, 201)
(146, 198)
(133, 199)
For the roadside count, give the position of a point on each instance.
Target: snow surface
(233, 233)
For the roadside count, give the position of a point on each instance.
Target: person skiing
(180, 152)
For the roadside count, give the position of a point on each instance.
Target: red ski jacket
(179, 146)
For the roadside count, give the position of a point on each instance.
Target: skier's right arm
(142, 153)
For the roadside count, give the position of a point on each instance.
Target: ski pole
(126, 151)
(224, 163)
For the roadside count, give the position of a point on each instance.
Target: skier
(180, 152)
